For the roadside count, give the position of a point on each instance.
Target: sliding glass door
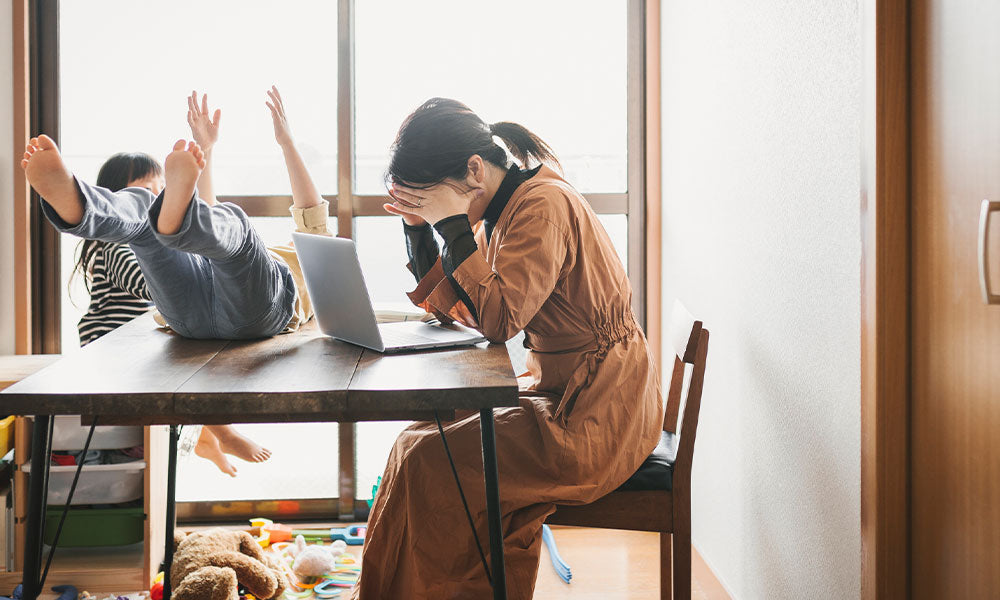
(349, 71)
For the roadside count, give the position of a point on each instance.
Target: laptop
(344, 309)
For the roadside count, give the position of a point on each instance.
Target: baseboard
(704, 576)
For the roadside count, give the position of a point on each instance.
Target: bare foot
(208, 447)
(182, 168)
(238, 445)
(46, 172)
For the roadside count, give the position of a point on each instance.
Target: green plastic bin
(116, 526)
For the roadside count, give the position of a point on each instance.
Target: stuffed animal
(313, 561)
(212, 565)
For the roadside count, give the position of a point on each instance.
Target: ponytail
(523, 144)
(436, 140)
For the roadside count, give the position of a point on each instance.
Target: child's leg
(254, 293)
(208, 448)
(179, 283)
(74, 207)
(235, 443)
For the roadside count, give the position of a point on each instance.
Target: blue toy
(562, 569)
(352, 536)
(66, 592)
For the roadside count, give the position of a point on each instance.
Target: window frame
(43, 299)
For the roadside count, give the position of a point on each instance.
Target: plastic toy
(66, 592)
(562, 569)
(267, 532)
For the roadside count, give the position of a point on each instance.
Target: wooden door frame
(37, 282)
(21, 71)
(885, 281)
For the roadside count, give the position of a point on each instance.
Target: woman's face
(151, 182)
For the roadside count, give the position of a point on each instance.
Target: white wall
(6, 182)
(761, 121)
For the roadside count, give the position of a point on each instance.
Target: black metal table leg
(168, 554)
(486, 425)
(38, 485)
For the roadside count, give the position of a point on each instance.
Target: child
(207, 270)
(118, 289)
(110, 272)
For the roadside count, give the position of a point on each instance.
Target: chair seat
(656, 472)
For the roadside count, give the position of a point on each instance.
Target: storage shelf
(92, 569)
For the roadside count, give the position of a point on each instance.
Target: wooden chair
(658, 497)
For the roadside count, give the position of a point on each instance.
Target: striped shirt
(118, 292)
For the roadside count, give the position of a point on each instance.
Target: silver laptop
(344, 309)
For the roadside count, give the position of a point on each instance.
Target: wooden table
(141, 375)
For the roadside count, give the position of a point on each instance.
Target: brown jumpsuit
(590, 405)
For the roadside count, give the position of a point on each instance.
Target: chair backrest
(689, 339)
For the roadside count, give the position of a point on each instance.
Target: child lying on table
(208, 271)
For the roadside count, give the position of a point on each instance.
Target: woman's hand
(204, 130)
(432, 204)
(411, 220)
(282, 132)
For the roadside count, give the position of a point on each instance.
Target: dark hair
(436, 141)
(115, 174)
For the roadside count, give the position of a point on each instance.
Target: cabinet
(109, 569)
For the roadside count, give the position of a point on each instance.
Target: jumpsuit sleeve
(533, 253)
(314, 219)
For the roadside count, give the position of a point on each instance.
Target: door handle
(988, 208)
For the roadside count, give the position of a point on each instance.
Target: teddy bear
(213, 564)
(314, 561)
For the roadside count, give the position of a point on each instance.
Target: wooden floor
(615, 565)
(610, 565)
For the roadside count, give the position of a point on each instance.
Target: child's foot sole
(44, 168)
(182, 168)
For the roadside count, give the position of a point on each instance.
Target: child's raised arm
(304, 193)
(205, 131)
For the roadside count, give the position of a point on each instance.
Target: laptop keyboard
(395, 339)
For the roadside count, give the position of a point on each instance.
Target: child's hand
(282, 132)
(204, 130)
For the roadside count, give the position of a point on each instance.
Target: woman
(522, 251)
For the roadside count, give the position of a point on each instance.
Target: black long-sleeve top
(456, 231)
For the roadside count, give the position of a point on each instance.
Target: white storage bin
(99, 484)
(69, 434)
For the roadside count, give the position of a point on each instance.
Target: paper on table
(396, 312)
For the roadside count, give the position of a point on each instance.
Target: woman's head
(131, 169)
(437, 140)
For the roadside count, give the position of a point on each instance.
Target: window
(567, 70)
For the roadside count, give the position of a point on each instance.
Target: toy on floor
(212, 565)
(562, 569)
(66, 592)
(332, 572)
(314, 561)
(378, 484)
(156, 587)
(268, 532)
